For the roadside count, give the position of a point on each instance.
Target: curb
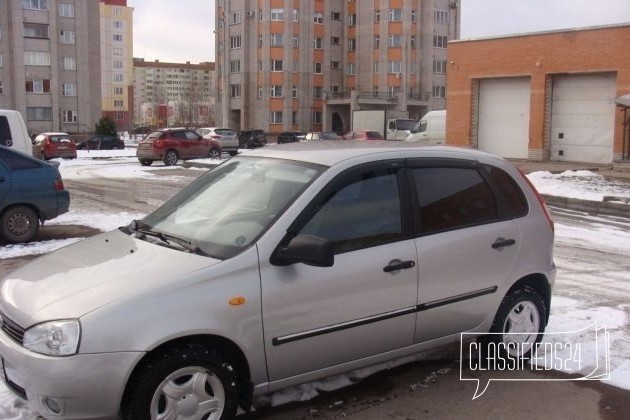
(605, 208)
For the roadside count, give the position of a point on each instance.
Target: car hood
(92, 273)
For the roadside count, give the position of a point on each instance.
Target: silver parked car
(279, 267)
(227, 138)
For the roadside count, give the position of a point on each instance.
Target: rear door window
(17, 162)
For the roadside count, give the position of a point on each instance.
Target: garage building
(547, 96)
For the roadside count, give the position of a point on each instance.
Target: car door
(466, 248)
(5, 183)
(317, 317)
(197, 145)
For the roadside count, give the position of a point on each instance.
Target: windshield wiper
(146, 230)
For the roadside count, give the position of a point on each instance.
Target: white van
(13, 132)
(431, 129)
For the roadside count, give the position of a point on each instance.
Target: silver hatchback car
(225, 136)
(279, 267)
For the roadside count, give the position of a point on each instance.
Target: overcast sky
(181, 30)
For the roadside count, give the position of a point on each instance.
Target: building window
(260, 92)
(69, 116)
(439, 66)
(377, 16)
(260, 41)
(276, 65)
(33, 30)
(294, 92)
(317, 67)
(395, 40)
(294, 117)
(117, 11)
(35, 4)
(318, 17)
(296, 66)
(318, 43)
(441, 16)
(352, 19)
(260, 65)
(36, 58)
(277, 14)
(67, 37)
(334, 65)
(334, 88)
(38, 86)
(69, 89)
(117, 64)
(69, 63)
(414, 16)
(395, 15)
(394, 67)
(276, 40)
(317, 117)
(391, 91)
(376, 67)
(352, 44)
(413, 67)
(351, 69)
(318, 92)
(118, 51)
(235, 66)
(440, 41)
(1, 61)
(335, 40)
(235, 42)
(335, 16)
(439, 91)
(275, 117)
(235, 18)
(38, 113)
(377, 42)
(261, 15)
(118, 90)
(296, 41)
(275, 91)
(412, 41)
(66, 10)
(118, 24)
(117, 37)
(296, 15)
(235, 91)
(1, 88)
(118, 103)
(119, 77)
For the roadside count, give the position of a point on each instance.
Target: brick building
(541, 96)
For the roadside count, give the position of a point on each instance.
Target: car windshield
(224, 131)
(226, 210)
(405, 124)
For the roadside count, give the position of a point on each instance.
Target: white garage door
(503, 124)
(583, 118)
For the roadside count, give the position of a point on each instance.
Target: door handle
(501, 242)
(396, 265)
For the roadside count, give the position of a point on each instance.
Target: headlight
(55, 338)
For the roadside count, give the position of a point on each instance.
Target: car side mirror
(306, 249)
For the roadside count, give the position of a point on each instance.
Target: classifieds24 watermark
(583, 353)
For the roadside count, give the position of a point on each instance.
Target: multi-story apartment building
(51, 60)
(308, 64)
(116, 50)
(173, 94)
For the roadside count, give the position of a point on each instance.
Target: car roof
(53, 133)
(332, 153)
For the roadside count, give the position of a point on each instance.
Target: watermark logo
(585, 353)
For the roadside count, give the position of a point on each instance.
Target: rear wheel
(170, 157)
(215, 153)
(186, 381)
(233, 153)
(146, 162)
(19, 224)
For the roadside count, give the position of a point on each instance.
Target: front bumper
(86, 386)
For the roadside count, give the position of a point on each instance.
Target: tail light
(58, 185)
(158, 143)
(541, 200)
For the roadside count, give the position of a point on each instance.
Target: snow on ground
(567, 314)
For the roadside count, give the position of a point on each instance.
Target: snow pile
(585, 185)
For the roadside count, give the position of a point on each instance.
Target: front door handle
(501, 242)
(396, 265)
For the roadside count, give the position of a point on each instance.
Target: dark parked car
(101, 142)
(251, 139)
(172, 144)
(290, 137)
(326, 135)
(30, 190)
(54, 145)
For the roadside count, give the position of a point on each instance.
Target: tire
(19, 224)
(215, 153)
(170, 157)
(180, 370)
(146, 162)
(522, 311)
(233, 153)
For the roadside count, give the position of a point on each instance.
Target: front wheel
(519, 324)
(146, 162)
(215, 153)
(186, 381)
(19, 224)
(170, 157)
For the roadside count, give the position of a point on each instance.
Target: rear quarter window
(17, 162)
(510, 193)
(5, 131)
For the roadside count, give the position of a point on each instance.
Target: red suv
(54, 145)
(172, 144)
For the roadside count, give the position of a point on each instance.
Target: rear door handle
(501, 242)
(396, 265)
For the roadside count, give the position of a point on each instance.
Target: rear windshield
(155, 135)
(60, 139)
(224, 131)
